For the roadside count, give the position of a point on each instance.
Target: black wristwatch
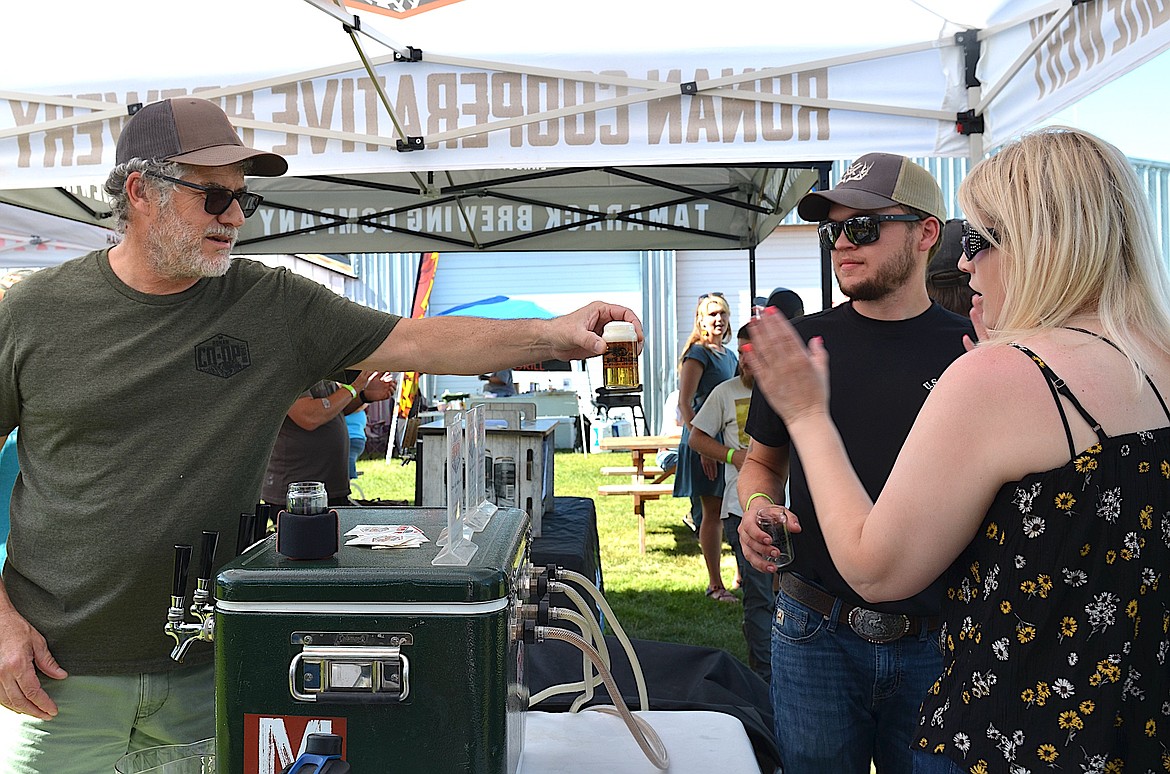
(362, 395)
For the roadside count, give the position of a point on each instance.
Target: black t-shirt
(880, 372)
(310, 455)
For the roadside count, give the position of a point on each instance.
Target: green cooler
(417, 667)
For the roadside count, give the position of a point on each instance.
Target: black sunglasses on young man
(860, 229)
(973, 242)
(216, 200)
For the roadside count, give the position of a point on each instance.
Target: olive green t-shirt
(145, 420)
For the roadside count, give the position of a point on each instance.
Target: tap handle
(263, 516)
(182, 564)
(207, 557)
(244, 536)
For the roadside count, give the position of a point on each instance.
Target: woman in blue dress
(705, 362)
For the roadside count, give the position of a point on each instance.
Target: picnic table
(646, 481)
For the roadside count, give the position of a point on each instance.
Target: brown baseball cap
(876, 181)
(192, 131)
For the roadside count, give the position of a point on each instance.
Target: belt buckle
(878, 628)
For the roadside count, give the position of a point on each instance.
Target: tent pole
(970, 122)
(826, 255)
(752, 273)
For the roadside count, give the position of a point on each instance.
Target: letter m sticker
(272, 742)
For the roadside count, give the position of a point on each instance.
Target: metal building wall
(1155, 178)
(384, 281)
(660, 326)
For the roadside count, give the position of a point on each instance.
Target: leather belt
(870, 625)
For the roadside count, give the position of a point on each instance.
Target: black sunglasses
(860, 229)
(973, 242)
(216, 200)
(709, 295)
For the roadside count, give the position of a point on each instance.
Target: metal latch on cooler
(350, 667)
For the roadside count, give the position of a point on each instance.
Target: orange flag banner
(422, 298)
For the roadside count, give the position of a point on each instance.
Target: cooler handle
(374, 655)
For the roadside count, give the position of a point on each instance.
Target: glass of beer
(777, 530)
(620, 361)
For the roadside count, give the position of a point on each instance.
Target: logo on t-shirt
(222, 356)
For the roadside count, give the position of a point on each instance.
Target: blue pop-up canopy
(500, 308)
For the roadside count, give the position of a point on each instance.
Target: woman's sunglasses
(860, 229)
(973, 242)
(716, 294)
(217, 200)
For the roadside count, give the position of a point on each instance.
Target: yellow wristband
(748, 505)
(730, 454)
(351, 388)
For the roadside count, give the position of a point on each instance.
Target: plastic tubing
(589, 679)
(594, 637)
(635, 665)
(598, 636)
(642, 731)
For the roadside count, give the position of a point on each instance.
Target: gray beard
(175, 250)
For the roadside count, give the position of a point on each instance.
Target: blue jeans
(356, 447)
(840, 701)
(758, 603)
(928, 763)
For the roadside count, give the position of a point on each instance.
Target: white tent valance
(540, 125)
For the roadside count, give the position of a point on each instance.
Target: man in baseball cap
(149, 381)
(887, 346)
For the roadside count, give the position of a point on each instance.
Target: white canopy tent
(34, 240)
(542, 125)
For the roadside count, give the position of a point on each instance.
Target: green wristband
(730, 454)
(747, 506)
(350, 387)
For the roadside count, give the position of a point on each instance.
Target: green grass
(656, 596)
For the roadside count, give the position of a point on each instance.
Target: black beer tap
(202, 607)
(246, 530)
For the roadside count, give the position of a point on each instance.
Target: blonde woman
(706, 361)
(1035, 479)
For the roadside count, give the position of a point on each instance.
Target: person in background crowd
(355, 427)
(724, 415)
(9, 470)
(189, 361)
(849, 675)
(499, 384)
(705, 362)
(945, 282)
(1054, 538)
(9, 465)
(313, 442)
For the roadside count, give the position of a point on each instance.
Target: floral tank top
(1055, 635)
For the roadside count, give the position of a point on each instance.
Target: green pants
(100, 719)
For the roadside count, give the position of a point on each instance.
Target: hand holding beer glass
(773, 520)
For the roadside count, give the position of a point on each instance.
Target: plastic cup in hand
(777, 530)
